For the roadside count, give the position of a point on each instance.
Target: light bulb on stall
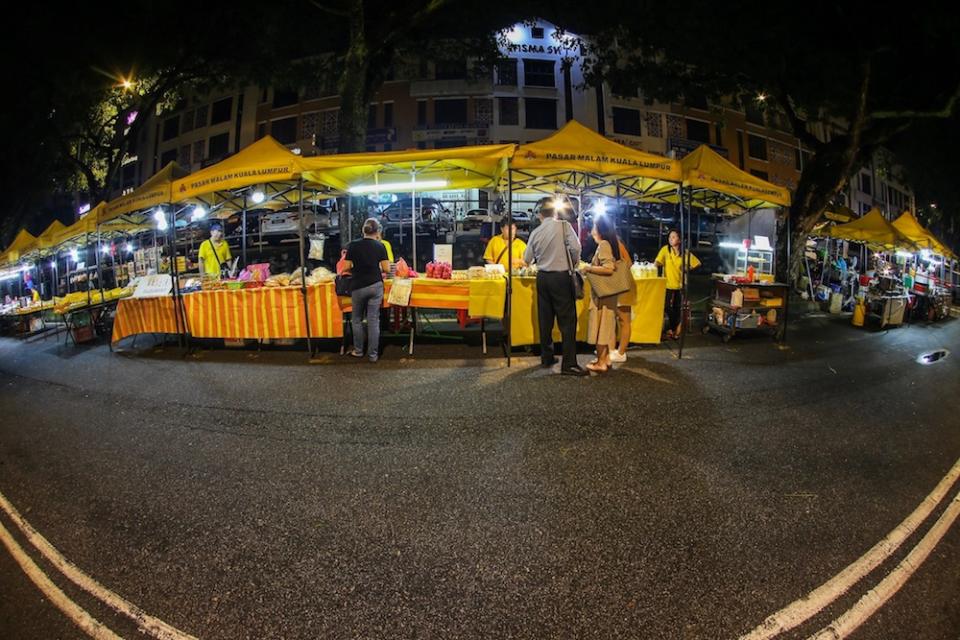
(558, 203)
(105, 249)
(199, 213)
(129, 248)
(74, 255)
(161, 217)
(257, 197)
(600, 208)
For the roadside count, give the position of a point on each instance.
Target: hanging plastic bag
(316, 247)
(342, 263)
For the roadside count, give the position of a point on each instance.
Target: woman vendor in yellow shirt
(496, 252)
(214, 253)
(669, 259)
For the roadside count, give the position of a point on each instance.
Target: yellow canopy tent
(265, 161)
(872, 230)
(578, 160)
(47, 239)
(399, 171)
(80, 228)
(155, 191)
(23, 243)
(909, 226)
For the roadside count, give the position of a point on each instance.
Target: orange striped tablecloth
(480, 297)
(144, 315)
(266, 312)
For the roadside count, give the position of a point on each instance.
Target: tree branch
(945, 112)
(798, 124)
(341, 13)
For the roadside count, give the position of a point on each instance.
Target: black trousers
(555, 301)
(673, 303)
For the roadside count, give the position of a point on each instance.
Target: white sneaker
(616, 356)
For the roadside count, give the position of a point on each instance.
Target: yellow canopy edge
(155, 191)
(705, 169)
(908, 225)
(22, 243)
(47, 239)
(86, 224)
(874, 230)
(266, 160)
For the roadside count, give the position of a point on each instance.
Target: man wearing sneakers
(366, 260)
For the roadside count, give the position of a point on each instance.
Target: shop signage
(446, 133)
(154, 286)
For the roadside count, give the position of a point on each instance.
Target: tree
(863, 88)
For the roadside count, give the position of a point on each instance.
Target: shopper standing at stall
(214, 254)
(669, 258)
(625, 302)
(555, 249)
(603, 318)
(366, 260)
(497, 249)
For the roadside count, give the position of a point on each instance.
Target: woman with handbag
(600, 272)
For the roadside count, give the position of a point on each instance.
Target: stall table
(753, 312)
(887, 309)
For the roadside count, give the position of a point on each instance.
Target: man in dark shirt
(367, 262)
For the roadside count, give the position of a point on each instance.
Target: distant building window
(183, 156)
(760, 174)
(171, 128)
(167, 157)
(509, 111)
(200, 117)
(221, 110)
(866, 184)
(483, 111)
(421, 112)
(539, 73)
(218, 146)
(507, 73)
(388, 114)
(285, 97)
(284, 130)
(698, 130)
(451, 69)
(626, 121)
(696, 100)
(372, 117)
(450, 111)
(187, 123)
(198, 152)
(541, 113)
(536, 33)
(654, 122)
(757, 147)
(450, 143)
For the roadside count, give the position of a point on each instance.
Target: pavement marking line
(145, 622)
(799, 611)
(875, 598)
(77, 615)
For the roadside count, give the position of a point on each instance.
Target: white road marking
(91, 626)
(146, 623)
(805, 608)
(879, 595)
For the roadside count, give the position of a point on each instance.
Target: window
(220, 111)
(449, 143)
(198, 152)
(506, 73)
(284, 130)
(421, 112)
(171, 128)
(541, 113)
(285, 97)
(372, 117)
(483, 111)
(388, 114)
(866, 184)
(760, 174)
(450, 111)
(509, 111)
(757, 147)
(754, 114)
(626, 121)
(698, 130)
(539, 73)
(186, 121)
(696, 100)
(451, 69)
(167, 157)
(654, 124)
(536, 33)
(200, 117)
(218, 146)
(183, 156)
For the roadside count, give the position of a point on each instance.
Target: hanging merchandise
(316, 246)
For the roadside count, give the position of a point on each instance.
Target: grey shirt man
(545, 246)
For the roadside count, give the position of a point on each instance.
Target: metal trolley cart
(747, 306)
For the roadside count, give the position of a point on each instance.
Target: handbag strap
(566, 246)
(215, 254)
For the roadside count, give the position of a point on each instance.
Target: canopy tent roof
(475, 167)
(47, 239)
(909, 226)
(86, 224)
(155, 191)
(579, 160)
(23, 243)
(874, 231)
(264, 161)
(839, 213)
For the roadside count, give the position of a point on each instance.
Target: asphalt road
(244, 495)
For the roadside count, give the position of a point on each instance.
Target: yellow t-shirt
(671, 262)
(211, 266)
(389, 248)
(497, 245)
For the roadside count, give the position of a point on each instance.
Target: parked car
(289, 221)
(427, 210)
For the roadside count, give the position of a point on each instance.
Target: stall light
(731, 245)
(601, 207)
(105, 249)
(390, 187)
(161, 217)
(53, 264)
(74, 255)
(199, 213)
(558, 203)
(925, 254)
(129, 248)
(904, 254)
(258, 197)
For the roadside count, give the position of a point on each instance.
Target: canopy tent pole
(86, 271)
(243, 231)
(99, 266)
(175, 279)
(684, 305)
(303, 268)
(508, 319)
(413, 214)
(786, 297)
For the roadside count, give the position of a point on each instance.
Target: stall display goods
(737, 306)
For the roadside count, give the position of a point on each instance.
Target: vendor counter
(647, 312)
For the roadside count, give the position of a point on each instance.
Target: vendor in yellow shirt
(496, 252)
(386, 245)
(669, 259)
(214, 253)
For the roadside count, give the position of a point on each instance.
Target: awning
(23, 243)
(476, 167)
(872, 230)
(47, 239)
(266, 160)
(83, 226)
(155, 191)
(716, 183)
(839, 213)
(909, 226)
(578, 160)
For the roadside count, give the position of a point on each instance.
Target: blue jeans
(366, 303)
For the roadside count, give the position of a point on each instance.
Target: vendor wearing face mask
(214, 253)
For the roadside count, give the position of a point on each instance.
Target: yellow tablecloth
(479, 298)
(645, 327)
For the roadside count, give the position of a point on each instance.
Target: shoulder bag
(616, 283)
(575, 276)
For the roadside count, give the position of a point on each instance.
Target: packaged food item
(403, 270)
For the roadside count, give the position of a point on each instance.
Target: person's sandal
(596, 368)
